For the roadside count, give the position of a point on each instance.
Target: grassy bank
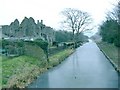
(111, 51)
(0, 72)
(21, 71)
(59, 57)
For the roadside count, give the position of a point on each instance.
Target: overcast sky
(49, 10)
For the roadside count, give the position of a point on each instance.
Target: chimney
(38, 22)
(41, 21)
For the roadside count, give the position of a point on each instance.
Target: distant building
(28, 30)
(0, 32)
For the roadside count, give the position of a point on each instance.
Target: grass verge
(0, 72)
(21, 71)
(59, 57)
(111, 51)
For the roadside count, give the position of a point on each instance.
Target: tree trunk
(74, 38)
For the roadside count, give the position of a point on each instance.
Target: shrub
(17, 47)
(34, 51)
(13, 47)
(40, 43)
(117, 41)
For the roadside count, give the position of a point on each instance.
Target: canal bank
(103, 50)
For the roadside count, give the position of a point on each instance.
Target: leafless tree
(76, 20)
(118, 12)
(115, 13)
(112, 14)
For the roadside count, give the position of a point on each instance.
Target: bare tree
(118, 12)
(76, 20)
(115, 13)
(112, 14)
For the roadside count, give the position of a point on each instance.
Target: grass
(59, 57)
(21, 71)
(0, 72)
(110, 50)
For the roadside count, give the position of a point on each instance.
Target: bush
(40, 43)
(5, 43)
(55, 43)
(109, 31)
(14, 48)
(17, 47)
(117, 41)
(34, 51)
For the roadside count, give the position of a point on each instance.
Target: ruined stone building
(28, 30)
(0, 32)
